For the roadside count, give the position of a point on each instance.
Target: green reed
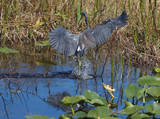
(19, 17)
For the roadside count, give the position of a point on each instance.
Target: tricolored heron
(70, 44)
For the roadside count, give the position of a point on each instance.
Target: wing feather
(103, 32)
(63, 41)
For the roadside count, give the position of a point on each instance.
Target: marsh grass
(139, 41)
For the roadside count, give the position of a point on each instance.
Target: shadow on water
(38, 96)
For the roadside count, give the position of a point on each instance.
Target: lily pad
(80, 114)
(131, 91)
(7, 50)
(149, 80)
(103, 111)
(97, 102)
(92, 114)
(93, 97)
(140, 93)
(100, 111)
(154, 91)
(141, 116)
(131, 109)
(155, 109)
(127, 103)
(72, 100)
(149, 108)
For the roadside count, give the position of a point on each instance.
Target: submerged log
(38, 75)
(86, 72)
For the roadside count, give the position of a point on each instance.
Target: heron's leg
(79, 64)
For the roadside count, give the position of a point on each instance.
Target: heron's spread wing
(63, 41)
(103, 32)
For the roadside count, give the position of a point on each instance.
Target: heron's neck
(86, 21)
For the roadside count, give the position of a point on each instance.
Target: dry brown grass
(139, 40)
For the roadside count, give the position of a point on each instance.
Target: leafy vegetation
(148, 91)
(7, 50)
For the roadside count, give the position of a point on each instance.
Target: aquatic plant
(148, 90)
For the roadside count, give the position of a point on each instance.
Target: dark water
(28, 96)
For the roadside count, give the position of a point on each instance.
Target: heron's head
(83, 13)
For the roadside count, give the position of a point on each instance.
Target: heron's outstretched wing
(63, 41)
(103, 31)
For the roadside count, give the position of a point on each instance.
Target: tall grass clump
(24, 23)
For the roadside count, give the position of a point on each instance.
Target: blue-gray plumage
(103, 32)
(63, 41)
(69, 44)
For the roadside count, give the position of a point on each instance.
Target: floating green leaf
(104, 101)
(141, 116)
(156, 108)
(80, 114)
(131, 109)
(149, 80)
(140, 93)
(43, 43)
(36, 117)
(72, 100)
(103, 111)
(97, 102)
(149, 108)
(7, 50)
(90, 95)
(127, 103)
(92, 114)
(154, 91)
(131, 91)
(100, 111)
